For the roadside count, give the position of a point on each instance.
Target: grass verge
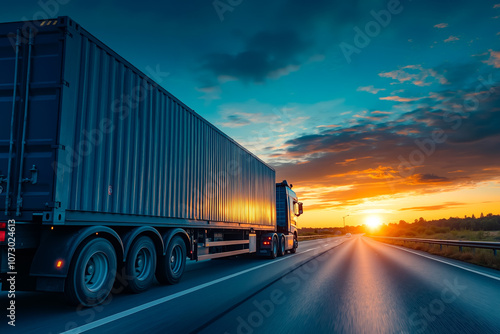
(482, 257)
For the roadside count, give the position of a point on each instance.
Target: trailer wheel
(274, 248)
(141, 265)
(281, 250)
(92, 273)
(295, 245)
(171, 266)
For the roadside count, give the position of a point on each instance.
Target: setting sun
(373, 222)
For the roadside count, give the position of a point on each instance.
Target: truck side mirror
(301, 208)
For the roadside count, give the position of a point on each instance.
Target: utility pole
(344, 220)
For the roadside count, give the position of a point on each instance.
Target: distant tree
(473, 217)
(482, 215)
(422, 227)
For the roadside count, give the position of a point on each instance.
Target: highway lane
(368, 287)
(337, 285)
(48, 313)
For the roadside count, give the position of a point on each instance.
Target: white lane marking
(153, 303)
(449, 263)
(308, 250)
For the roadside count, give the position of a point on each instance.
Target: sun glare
(373, 222)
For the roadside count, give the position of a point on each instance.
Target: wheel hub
(96, 271)
(142, 266)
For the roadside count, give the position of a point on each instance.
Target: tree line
(487, 222)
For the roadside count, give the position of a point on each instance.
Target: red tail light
(2, 233)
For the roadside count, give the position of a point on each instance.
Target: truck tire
(92, 273)
(171, 266)
(274, 248)
(140, 266)
(281, 249)
(295, 245)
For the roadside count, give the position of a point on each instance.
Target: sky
(384, 110)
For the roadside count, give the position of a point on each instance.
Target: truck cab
(288, 209)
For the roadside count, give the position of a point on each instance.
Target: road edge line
(442, 261)
(136, 309)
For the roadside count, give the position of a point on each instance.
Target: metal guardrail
(459, 243)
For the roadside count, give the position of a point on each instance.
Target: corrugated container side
(132, 149)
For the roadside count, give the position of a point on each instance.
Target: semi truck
(105, 176)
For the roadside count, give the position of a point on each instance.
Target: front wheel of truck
(92, 273)
(274, 248)
(281, 250)
(295, 245)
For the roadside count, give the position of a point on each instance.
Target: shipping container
(106, 177)
(107, 144)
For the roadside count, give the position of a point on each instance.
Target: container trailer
(106, 176)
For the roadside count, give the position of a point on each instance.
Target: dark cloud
(429, 178)
(457, 126)
(443, 206)
(289, 33)
(265, 54)
(238, 120)
(460, 75)
(482, 122)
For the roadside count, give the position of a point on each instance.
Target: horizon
(382, 226)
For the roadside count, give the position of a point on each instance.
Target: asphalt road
(337, 285)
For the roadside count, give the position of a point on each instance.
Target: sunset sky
(379, 108)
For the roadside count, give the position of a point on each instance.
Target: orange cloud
(494, 59)
(415, 74)
(406, 132)
(400, 99)
(346, 161)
